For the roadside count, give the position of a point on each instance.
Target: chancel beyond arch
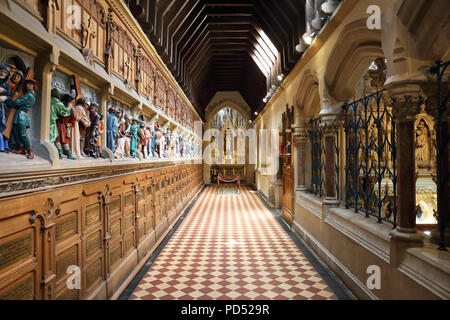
(245, 114)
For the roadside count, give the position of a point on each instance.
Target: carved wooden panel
(94, 226)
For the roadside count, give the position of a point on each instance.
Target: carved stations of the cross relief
(138, 66)
(128, 65)
(88, 32)
(109, 40)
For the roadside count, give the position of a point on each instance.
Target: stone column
(330, 126)
(405, 102)
(40, 112)
(300, 136)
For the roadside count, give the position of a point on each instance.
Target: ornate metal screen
(442, 140)
(371, 183)
(317, 158)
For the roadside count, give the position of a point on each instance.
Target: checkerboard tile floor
(231, 248)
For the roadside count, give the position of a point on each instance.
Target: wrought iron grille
(371, 177)
(317, 158)
(442, 141)
(336, 166)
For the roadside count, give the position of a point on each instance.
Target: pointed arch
(308, 98)
(354, 51)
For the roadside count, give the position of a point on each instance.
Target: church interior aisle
(231, 248)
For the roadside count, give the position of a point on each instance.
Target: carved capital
(406, 107)
(300, 134)
(330, 126)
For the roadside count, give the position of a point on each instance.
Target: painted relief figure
(92, 133)
(79, 130)
(5, 93)
(134, 138)
(58, 110)
(21, 119)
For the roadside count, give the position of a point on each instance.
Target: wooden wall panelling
(93, 269)
(178, 189)
(104, 227)
(160, 218)
(21, 250)
(68, 243)
(114, 237)
(146, 230)
(171, 196)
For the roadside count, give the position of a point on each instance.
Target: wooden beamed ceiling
(206, 44)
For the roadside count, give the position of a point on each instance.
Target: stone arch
(17, 61)
(307, 99)
(428, 26)
(354, 51)
(245, 113)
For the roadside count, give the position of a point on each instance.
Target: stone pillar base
(401, 240)
(301, 188)
(327, 205)
(436, 237)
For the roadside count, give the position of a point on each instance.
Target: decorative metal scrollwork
(442, 140)
(317, 158)
(371, 178)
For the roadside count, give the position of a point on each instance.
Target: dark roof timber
(207, 43)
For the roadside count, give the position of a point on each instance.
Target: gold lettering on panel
(115, 229)
(115, 204)
(93, 274)
(68, 295)
(93, 243)
(141, 231)
(129, 243)
(93, 214)
(128, 200)
(116, 254)
(141, 211)
(128, 221)
(140, 195)
(68, 258)
(66, 227)
(22, 290)
(15, 250)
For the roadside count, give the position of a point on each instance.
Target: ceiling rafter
(208, 44)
